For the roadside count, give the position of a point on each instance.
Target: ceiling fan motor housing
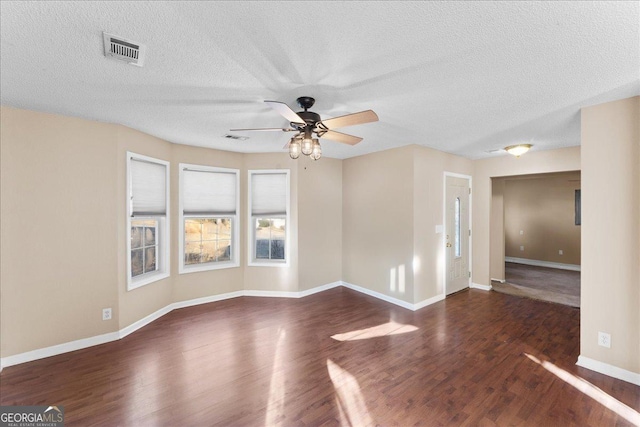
(310, 118)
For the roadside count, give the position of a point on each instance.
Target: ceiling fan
(307, 123)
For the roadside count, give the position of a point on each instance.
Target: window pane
(192, 230)
(262, 249)
(208, 253)
(209, 228)
(270, 238)
(150, 259)
(149, 236)
(224, 228)
(277, 249)
(136, 237)
(191, 253)
(224, 250)
(136, 262)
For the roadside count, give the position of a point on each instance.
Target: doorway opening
(540, 236)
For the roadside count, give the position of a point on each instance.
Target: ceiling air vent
(124, 50)
(237, 137)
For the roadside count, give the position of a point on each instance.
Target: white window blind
(209, 192)
(148, 188)
(269, 194)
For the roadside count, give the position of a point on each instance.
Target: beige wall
(58, 229)
(534, 162)
(543, 208)
(392, 202)
(377, 222)
(57, 274)
(610, 298)
(319, 221)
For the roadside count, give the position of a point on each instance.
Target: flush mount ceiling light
(518, 150)
(307, 123)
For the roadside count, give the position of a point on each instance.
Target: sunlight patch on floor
(275, 405)
(352, 407)
(590, 390)
(389, 328)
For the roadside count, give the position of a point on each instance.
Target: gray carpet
(546, 284)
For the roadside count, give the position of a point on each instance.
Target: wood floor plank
(272, 361)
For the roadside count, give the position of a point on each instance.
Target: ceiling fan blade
(341, 137)
(265, 130)
(362, 117)
(285, 111)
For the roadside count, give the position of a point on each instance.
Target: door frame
(443, 244)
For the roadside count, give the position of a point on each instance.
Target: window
(269, 217)
(208, 218)
(147, 220)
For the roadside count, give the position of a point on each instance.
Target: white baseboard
(392, 300)
(114, 336)
(144, 321)
(609, 370)
(479, 286)
(428, 301)
(206, 300)
(317, 289)
(379, 295)
(54, 350)
(548, 264)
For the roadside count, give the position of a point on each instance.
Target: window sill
(146, 280)
(207, 267)
(268, 264)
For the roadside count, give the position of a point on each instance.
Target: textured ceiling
(461, 77)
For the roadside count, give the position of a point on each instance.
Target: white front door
(457, 233)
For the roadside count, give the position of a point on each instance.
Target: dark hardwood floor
(550, 279)
(335, 358)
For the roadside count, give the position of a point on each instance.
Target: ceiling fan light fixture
(307, 145)
(316, 151)
(294, 148)
(518, 150)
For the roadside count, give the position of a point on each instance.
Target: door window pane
(458, 235)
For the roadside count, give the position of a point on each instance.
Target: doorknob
(448, 244)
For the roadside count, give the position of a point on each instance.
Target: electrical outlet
(522, 248)
(106, 314)
(560, 252)
(521, 232)
(604, 339)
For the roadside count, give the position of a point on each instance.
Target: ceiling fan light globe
(294, 148)
(316, 151)
(307, 146)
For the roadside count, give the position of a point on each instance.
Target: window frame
(162, 236)
(235, 224)
(252, 261)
